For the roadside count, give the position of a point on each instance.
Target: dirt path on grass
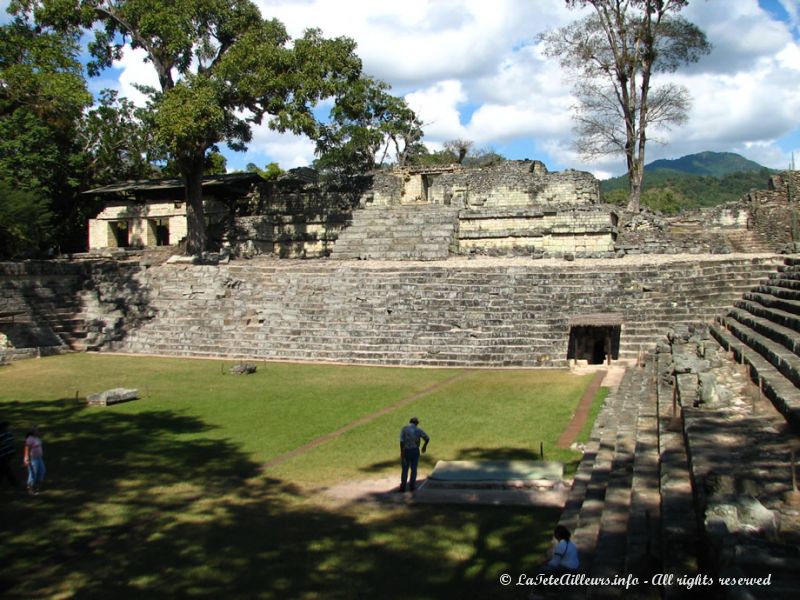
(381, 489)
(361, 421)
(384, 489)
(609, 377)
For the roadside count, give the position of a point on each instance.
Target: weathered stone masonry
(49, 307)
(412, 314)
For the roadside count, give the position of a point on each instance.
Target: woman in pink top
(34, 460)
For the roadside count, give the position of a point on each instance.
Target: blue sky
(472, 69)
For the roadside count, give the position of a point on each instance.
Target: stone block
(113, 396)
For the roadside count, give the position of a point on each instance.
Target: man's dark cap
(414, 420)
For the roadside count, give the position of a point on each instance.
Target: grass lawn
(167, 497)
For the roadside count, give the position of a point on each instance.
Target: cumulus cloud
(437, 108)
(423, 41)
(135, 70)
(286, 149)
(741, 34)
(472, 69)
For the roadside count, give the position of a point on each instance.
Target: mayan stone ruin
(689, 465)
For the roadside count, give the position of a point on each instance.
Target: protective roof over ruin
(149, 185)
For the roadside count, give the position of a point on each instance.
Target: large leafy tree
(26, 222)
(117, 141)
(42, 97)
(366, 124)
(221, 68)
(614, 53)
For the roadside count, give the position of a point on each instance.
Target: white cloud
(135, 71)
(741, 33)
(437, 107)
(286, 149)
(423, 40)
(471, 69)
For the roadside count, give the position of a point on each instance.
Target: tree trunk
(635, 186)
(196, 236)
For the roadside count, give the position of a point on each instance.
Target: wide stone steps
(741, 453)
(774, 325)
(770, 301)
(613, 506)
(783, 394)
(406, 313)
(783, 359)
(417, 232)
(747, 241)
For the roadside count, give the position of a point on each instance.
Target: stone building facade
(153, 213)
(510, 207)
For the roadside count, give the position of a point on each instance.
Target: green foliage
(269, 173)
(214, 163)
(42, 97)
(25, 222)
(455, 152)
(221, 68)
(672, 191)
(365, 122)
(116, 139)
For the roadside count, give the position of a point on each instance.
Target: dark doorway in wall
(162, 232)
(119, 229)
(595, 338)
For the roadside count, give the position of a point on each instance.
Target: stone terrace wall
(297, 217)
(458, 313)
(49, 307)
(579, 230)
(771, 216)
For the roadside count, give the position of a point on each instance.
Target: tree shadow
(508, 453)
(49, 300)
(152, 503)
(475, 453)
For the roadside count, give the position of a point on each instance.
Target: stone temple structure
(688, 470)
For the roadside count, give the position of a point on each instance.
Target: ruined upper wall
(510, 184)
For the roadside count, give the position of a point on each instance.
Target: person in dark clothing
(410, 437)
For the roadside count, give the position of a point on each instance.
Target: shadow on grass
(146, 503)
(498, 454)
(464, 454)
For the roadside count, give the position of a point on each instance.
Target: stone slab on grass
(113, 396)
(497, 470)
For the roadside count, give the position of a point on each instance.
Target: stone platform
(495, 474)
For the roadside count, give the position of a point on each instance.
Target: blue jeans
(410, 460)
(36, 472)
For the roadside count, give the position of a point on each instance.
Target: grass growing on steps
(166, 496)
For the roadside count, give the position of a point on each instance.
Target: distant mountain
(715, 164)
(693, 181)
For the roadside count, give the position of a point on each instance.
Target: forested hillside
(694, 181)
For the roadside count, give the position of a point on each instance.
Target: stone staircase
(614, 506)
(52, 316)
(403, 232)
(432, 314)
(740, 467)
(763, 332)
(747, 241)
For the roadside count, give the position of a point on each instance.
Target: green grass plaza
(214, 485)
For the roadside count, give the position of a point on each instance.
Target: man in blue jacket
(410, 437)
